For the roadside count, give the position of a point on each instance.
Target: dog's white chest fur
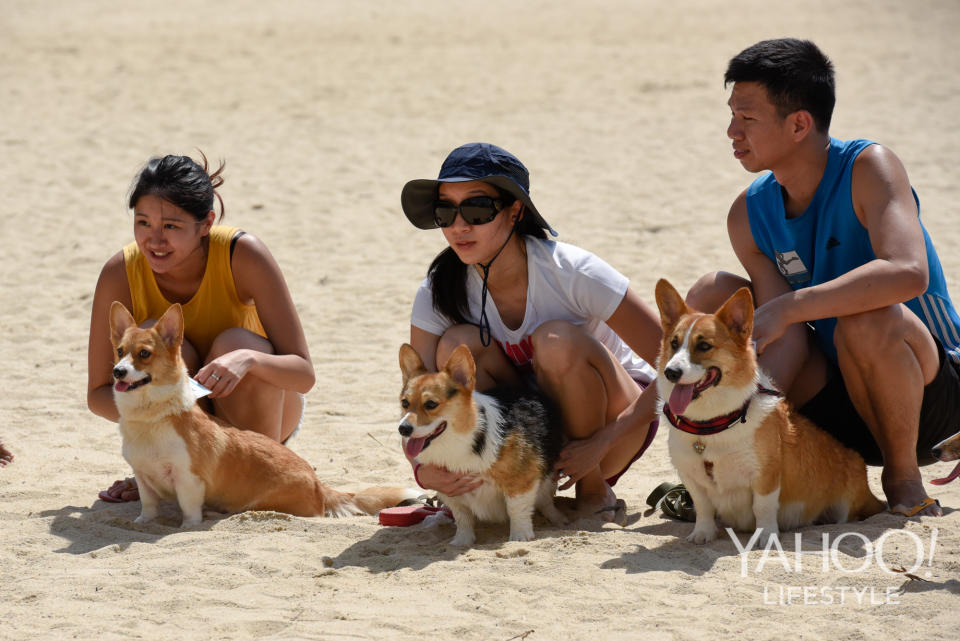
(724, 465)
(725, 469)
(457, 451)
(158, 456)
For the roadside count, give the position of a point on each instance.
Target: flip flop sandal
(919, 507)
(406, 515)
(674, 500)
(619, 512)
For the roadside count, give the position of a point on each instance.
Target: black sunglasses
(478, 210)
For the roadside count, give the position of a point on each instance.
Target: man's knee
(885, 332)
(869, 331)
(711, 290)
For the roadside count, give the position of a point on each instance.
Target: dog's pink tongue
(949, 477)
(414, 446)
(680, 398)
(121, 386)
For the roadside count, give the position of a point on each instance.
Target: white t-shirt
(564, 283)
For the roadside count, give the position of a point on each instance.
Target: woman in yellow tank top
(243, 337)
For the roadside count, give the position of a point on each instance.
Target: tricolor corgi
(740, 449)
(179, 452)
(511, 438)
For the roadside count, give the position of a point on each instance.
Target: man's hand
(770, 321)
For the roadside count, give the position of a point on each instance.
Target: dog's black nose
(936, 452)
(405, 429)
(673, 374)
(119, 372)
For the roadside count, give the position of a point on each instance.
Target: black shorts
(832, 410)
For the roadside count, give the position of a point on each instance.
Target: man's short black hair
(795, 73)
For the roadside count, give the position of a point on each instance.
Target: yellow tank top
(214, 307)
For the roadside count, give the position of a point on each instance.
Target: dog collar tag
(698, 446)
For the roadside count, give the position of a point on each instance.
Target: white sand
(323, 110)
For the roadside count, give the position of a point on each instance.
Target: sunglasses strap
(484, 320)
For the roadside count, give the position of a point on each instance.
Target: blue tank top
(827, 240)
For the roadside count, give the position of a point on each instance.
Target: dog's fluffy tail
(368, 501)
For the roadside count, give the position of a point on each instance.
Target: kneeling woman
(531, 307)
(243, 338)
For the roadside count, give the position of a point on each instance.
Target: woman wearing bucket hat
(529, 306)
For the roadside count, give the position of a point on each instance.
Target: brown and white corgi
(179, 452)
(740, 449)
(511, 438)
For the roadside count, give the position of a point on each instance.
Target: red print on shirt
(521, 354)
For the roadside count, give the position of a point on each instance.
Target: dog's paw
(463, 539)
(144, 518)
(522, 534)
(701, 535)
(766, 533)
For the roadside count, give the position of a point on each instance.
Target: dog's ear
(411, 365)
(461, 368)
(671, 304)
(120, 320)
(170, 326)
(737, 314)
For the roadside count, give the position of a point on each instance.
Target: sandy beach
(322, 110)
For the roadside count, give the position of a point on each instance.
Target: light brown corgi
(740, 449)
(179, 452)
(510, 437)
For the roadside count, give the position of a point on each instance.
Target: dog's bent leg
(149, 501)
(463, 517)
(705, 527)
(520, 508)
(190, 493)
(765, 508)
(545, 503)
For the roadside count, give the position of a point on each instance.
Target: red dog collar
(714, 425)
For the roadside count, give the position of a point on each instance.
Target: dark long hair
(448, 274)
(181, 181)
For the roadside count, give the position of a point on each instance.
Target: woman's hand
(435, 477)
(222, 375)
(580, 457)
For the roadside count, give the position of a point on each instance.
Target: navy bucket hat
(473, 161)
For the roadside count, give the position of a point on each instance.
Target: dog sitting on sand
(179, 452)
(510, 437)
(740, 449)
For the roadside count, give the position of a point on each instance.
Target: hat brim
(419, 196)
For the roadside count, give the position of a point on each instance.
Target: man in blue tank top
(854, 320)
